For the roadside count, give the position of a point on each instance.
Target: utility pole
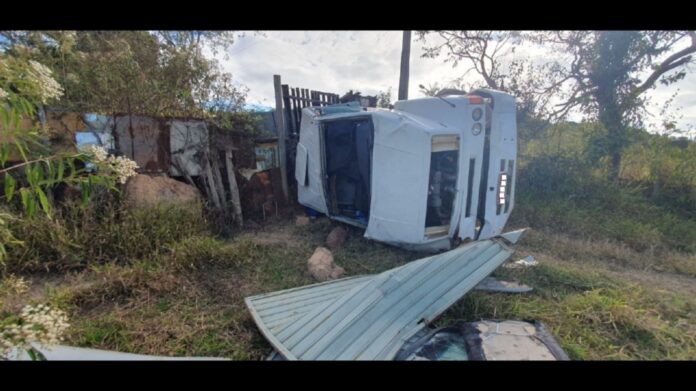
(405, 55)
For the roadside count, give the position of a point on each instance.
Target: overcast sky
(368, 61)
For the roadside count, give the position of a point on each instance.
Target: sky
(369, 61)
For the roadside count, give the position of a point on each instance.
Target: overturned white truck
(425, 175)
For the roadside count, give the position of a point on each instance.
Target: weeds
(593, 317)
(78, 236)
(157, 281)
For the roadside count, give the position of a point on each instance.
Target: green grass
(592, 316)
(188, 300)
(567, 195)
(101, 232)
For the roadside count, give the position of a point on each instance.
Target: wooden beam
(234, 189)
(280, 122)
(211, 184)
(217, 177)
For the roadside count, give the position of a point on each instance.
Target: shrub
(566, 194)
(99, 232)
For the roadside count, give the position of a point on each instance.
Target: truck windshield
(442, 185)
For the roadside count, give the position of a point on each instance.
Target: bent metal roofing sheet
(369, 317)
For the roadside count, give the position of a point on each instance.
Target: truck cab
(425, 175)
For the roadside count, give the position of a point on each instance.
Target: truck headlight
(476, 129)
(476, 114)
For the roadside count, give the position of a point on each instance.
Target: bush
(565, 194)
(99, 232)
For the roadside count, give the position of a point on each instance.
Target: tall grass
(100, 232)
(565, 189)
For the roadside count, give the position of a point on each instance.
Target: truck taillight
(502, 186)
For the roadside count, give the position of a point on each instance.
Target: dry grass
(601, 299)
(609, 254)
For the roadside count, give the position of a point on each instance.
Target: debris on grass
(527, 261)
(190, 301)
(492, 284)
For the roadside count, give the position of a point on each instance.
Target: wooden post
(234, 189)
(280, 123)
(217, 177)
(403, 76)
(211, 184)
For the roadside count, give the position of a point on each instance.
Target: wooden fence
(289, 104)
(296, 99)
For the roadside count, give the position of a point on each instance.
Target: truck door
(310, 191)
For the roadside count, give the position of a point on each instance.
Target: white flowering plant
(39, 324)
(119, 167)
(13, 285)
(28, 166)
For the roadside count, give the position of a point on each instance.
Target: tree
(609, 73)
(161, 73)
(350, 96)
(29, 168)
(431, 90)
(492, 55)
(602, 74)
(384, 98)
(482, 49)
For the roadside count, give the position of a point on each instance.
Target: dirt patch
(282, 233)
(672, 282)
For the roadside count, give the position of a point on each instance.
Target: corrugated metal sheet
(369, 317)
(267, 155)
(187, 139)
(280, 309)
(145, 140)
(72, 353)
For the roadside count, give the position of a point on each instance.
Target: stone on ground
(336, 238)
(322, 267)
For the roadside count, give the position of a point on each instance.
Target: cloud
(369, 61)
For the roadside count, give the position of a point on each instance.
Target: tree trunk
(615, 168)
(609, 72)
(612, 121)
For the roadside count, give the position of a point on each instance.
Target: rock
(301, 221)
(337, 272)
(322, 267)
(336, 238)
(146, 191)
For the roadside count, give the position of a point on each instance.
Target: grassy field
(601, 299)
